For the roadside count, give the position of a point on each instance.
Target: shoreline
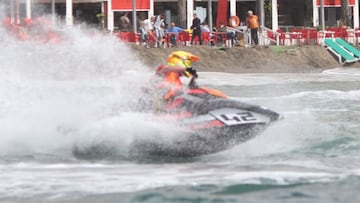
(259, 59)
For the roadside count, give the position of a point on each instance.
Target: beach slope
(260, 59)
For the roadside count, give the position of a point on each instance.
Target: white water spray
(79, 90)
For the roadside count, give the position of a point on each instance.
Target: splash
(56, 95)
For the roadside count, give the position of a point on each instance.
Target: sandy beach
(260, 59)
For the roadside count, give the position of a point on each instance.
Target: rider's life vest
(171, 81)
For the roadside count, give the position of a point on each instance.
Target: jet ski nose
(274, 116)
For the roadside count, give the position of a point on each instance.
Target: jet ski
(211, 123)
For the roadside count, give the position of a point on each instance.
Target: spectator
(196, 29)
(229, 35)
(145, 28)
(174, 31)
(124, 22)
(253, 24)
(158, 28)
(205, 28)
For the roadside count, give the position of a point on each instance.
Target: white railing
(265, 39)
(243, 30)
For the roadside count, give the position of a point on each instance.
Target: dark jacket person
(196, 29)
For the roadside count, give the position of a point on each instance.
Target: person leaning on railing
(228, 35)
(145, 30)
(173, 32)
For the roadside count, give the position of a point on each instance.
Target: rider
(178, 64)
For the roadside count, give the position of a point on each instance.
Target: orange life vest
(171, 81)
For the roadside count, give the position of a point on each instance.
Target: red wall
(335, 2)
(127, 4)
(222, 12)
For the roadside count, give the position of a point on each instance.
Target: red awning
(222, 12)
(335, 3)
(126, 5)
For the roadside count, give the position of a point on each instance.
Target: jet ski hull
(212, 127)
(199, 142)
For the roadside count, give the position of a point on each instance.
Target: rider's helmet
(183, 59)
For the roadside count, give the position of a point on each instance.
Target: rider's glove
(193, 72)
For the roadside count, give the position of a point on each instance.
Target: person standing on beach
(196, 29)
(253, 24)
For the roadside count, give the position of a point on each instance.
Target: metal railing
(266, 35)
(265, 39)
(244, 31)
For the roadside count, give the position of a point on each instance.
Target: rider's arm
(166, 69)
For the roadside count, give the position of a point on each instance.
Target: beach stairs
(345, 52)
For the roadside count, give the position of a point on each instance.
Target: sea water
(78, 93)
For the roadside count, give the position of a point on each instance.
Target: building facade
(285, 14)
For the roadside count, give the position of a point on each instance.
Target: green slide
(348, 47)
(340, 51)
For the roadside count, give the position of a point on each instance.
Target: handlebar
(192, 83)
